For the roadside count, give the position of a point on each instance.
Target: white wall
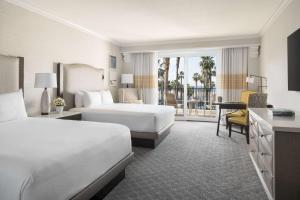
(274, 58)
(42, 42)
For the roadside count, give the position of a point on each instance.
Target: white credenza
(275, 152)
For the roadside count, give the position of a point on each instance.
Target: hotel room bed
(149, 124)
(56, 159)
(137, 117)
(52, 158)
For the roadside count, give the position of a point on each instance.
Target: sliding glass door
(171, 82)
(187, 81)
(201, 87)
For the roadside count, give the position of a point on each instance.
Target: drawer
(253, 145)
(266, 142)
(253, 131)
(265, 159)
(262, 129)
(253, 121)
(268, 179)
(266, 176)
(253, 149)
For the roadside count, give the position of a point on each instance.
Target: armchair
(130, 95)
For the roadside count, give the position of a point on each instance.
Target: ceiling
(133, 22)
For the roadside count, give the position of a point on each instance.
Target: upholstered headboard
(11, 73)
(74, 77)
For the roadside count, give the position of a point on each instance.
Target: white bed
(149, 124)
(137, 117)
(55, 159)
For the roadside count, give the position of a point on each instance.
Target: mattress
(137, 117)
(55, 159)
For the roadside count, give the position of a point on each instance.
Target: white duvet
(48, 159)
(137, 117)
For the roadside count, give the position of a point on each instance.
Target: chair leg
(229, 125)
(227, 122)
(247, 134)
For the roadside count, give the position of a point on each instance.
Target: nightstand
(67, 115)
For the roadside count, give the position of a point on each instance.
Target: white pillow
(92, 99)
(12, 106)
(79, 99)
(107, 97)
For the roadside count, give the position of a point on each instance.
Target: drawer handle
(252, 151)
(262, 135)
(262, 171)
(262, 153)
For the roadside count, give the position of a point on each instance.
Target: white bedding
(137, 117)
(47, 159)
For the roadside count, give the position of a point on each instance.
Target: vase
(59, 109)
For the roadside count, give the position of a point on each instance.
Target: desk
(228, 105)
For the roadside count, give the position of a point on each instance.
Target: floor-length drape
(232, 73)
(145, 76)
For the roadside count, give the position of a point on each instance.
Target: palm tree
(208, 70)
(161, 72)
(166, 65)
(177, 69)
(196, 78)
(189, 91)
(181, 76)
(173, 85)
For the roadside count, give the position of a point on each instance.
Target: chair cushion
(239, 120)
(238, 113)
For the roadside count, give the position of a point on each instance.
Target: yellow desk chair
(243, 122)
(258, 100)
(240, 113)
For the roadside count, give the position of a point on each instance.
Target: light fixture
(45, 80)
(127, 79)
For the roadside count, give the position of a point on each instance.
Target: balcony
(199, 103)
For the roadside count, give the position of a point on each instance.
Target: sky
(193, 67)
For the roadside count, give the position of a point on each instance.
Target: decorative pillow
(107, 97)
(92, 99)
(79, 99)
(12, 106)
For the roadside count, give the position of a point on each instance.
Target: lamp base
(45, 103)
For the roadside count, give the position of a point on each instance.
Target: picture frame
(113, 62)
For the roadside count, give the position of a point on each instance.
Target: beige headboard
(74, 77)
(11, 73)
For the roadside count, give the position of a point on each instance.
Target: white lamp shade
(45, 80)
(250, 79)
(127, 78)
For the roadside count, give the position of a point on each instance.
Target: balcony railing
(204, 96)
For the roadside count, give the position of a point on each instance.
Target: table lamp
(127, 79)
(45, 80)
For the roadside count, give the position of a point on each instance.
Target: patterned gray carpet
(192, 163)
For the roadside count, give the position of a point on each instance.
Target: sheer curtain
(232, 73)
(145, 76)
